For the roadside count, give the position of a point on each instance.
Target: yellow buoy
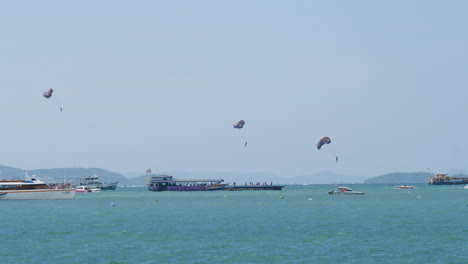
(156, 200)
(281, 197)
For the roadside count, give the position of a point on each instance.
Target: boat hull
(178, 188)
(256, 188)
(216, 187)
(444, 179)
(345, 193)
(404, 187)
(109, 186)
(38, 194)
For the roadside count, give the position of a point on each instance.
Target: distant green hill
(11, 173)
(75, 173)
(401, 177)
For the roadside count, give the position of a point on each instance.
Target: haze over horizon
(159, 84)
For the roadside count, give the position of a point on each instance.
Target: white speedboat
(404, 187)
(341, 190)
(34, 189)
(86, 189)
(81, 189)
(94, 189)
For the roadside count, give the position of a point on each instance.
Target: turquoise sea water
(424, 225)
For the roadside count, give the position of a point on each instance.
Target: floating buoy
(112, 204)
(310, 199)
(225, 196)
(281, 197)
(156, 201)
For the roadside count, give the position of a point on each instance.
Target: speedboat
(342, 190)
(94, 189)
(81, 189)
(216, 187)
(404, 187)
(85, 189)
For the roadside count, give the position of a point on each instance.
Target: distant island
(400, 178)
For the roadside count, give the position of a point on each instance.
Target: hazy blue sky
(158, 84)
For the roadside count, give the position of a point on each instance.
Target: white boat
(94, 190)
(404, 187)
(86, 189)
(34, 189)
(466, 187)
(93, 183)
(341, 190)
(81, 189)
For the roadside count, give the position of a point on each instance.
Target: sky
(158, 84)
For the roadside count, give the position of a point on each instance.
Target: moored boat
(255, 187)
(342, 190)
(81, 189)
(444, 179)
(86, 189)
(161, 183)
(108, 186)
(34, 189)
(216, 187)
(92, 182)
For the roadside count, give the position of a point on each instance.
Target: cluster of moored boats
(34, 189)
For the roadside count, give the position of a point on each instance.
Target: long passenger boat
(161, 183)
(34, 189)
(444, 179)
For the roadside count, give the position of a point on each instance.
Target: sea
(300, 224)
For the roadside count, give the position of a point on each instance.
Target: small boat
(216, 187)
(341, 190)
(86, 189)
(466, 187)
(81, 189)
(94, 189)
(404, 187)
